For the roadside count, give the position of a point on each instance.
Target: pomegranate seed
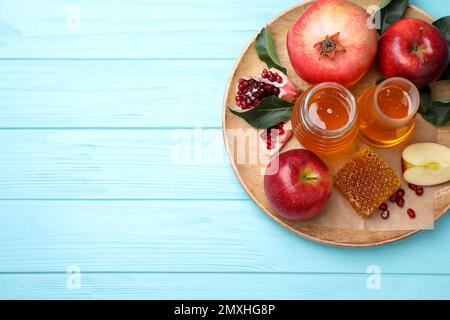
(383, 206)
(419, 191)
(250, 91)
(411, 213)
(400, 202)
(400, 193)
(385, 214)
(412, 186)
(393, 198)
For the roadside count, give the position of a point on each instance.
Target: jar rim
(412, 91)
(324, 132)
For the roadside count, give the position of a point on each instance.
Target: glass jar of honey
(325, 118)
(388, 112)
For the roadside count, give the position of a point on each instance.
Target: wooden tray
(249, 64)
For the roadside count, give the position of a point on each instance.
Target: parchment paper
(340, 214)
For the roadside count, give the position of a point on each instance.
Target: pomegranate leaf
(434, 111)
(265, 47)
(446, 75)
(269, 112)
(425, 99)
(438, 114)
(384, 3)
(392, 12)
(443, 24)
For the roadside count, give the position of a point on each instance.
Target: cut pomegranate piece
(274, 138)
(385, 214)
(383, 206)
(251, 90)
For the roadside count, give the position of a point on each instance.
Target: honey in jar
(388, 112)
(325, 118)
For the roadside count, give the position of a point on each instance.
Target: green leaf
(443, 24)
(265, 47)
(438, 114)
(446, 75)
(269, 112)
(434, 111)
(393, 12)
(425, 99)
(384, 3)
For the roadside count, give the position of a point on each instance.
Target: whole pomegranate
(251, 90)
(332, 41)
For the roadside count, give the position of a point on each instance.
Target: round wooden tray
(249, 64)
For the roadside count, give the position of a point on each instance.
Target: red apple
(300, 187)
(413, 49)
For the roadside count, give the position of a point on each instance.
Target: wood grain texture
(105, 93)
(224, 286)
(188, 236)
(250, 174)
(142, 29)
(101, 77)
(115, 164)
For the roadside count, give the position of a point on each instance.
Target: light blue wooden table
(93, 97)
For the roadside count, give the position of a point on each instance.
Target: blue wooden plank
(139, 29)
(116, 164)
(121, 94)
(128, 164)
(223, 286)
(189, 236)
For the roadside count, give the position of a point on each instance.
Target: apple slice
(426, 164)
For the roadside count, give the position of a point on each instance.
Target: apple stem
(419, 41)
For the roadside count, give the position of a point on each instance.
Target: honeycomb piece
(366, 181)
